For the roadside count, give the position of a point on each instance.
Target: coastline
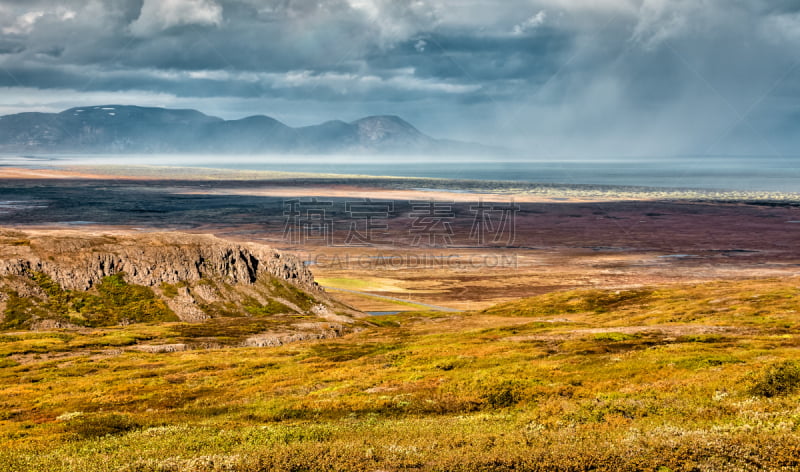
(297, 184)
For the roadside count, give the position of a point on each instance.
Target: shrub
(701, 338)
(19, 312)
(502, 394)
(103, 425)
(272, 307)
(778, 379)
(169, 290)
(119, 301)
(292, 293)
(614, 337)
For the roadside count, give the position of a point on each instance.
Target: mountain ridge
(134, 129)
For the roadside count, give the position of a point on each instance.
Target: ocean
(774, 174)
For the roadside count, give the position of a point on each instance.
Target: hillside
(225, 293)
(690, 378)
(133, 129)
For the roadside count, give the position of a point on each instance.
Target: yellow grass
(656, 379)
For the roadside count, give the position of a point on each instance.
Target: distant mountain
(132, 129)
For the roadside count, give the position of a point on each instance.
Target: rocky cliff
(63, 279)
(79, 263)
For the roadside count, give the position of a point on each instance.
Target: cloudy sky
(555, 77)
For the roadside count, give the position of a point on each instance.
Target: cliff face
(66, 279)
(79, 263)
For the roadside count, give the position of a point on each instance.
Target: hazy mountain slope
(248, 135)
(132, 129)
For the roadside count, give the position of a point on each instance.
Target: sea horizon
(724, 173)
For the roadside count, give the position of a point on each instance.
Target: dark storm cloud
(480, 59)
(119, 48)
(563, 76)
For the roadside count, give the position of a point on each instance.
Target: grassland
(701, 377)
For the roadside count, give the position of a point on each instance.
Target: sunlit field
(701, 377)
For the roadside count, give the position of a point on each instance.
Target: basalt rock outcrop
(63, 279)
(79, 263)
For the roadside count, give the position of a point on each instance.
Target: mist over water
(775, 174)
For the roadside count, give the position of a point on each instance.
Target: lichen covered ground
(700, 377)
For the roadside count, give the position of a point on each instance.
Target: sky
(555, 78)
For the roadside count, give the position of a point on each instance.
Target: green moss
(705, 362)
(271, 308)
(292, 294)
(221, 309)
(117, 301)
(171, 290)
(111, 302)
(614, 337)
(20, 312)
(48, 285)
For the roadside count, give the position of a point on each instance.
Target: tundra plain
(619, 329)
